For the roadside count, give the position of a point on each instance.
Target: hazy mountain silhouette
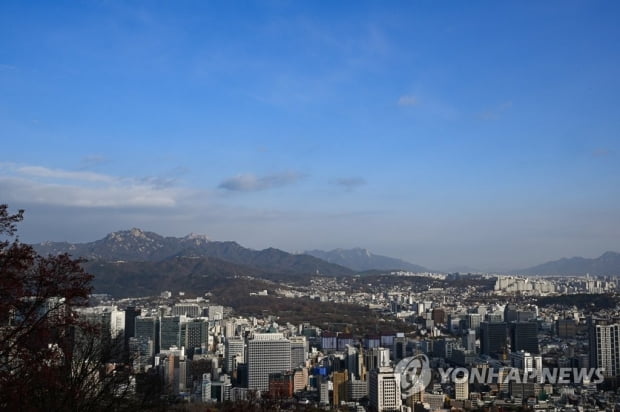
(608, 264)
(362, 259)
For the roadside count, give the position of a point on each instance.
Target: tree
(50, 359)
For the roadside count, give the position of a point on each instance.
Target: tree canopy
(49, 357)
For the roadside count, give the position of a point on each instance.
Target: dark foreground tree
(50, 359)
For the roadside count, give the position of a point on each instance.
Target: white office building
(267, 353)
(384, 390)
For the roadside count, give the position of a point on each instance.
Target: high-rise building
(494, 317)
(493, 338)
(300, 379)
(376, 358)
(329, 341)
(221, 388)
(524, 336)
(461, 389)
(141, 353)
(267, 353)
(400, 347)
(510, 313)
(604, 346)
(172, 372)
(454, 323)
(170, 331)
(299, 351)
(384, 390)
(185, 374)
(130, 323)
(566, 328)
(206, 387)
(194, 333)
(526, 315)
(469, 341)
(146, 327)
(108, 318)
(372, 341)
(352, 361)
(234, 353)
(443, 347)
(340, 387)
(117, 324)
(229, 329)
(438, 316)
(473, 320)
(324, 392)
(527, 362)
(356, 389)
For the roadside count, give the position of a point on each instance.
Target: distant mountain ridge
(193, 275)
(360, 259)
(130, 245)
(136, 245)
(608, 264)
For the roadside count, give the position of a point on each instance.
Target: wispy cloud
(349, 183)
(407, 100)
(40, 171)
(23, 190)
(158, 182)
(249, 182)
(495, 112)
(46, 186)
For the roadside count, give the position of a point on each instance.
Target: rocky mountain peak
(197, 238)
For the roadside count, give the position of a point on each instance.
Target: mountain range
(608, 264)
(129, 255)
(362, 259)
(141, 263)
(136, 245)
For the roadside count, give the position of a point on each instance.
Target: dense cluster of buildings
(542, 286)
(200, 352)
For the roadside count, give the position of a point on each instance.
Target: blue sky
(482, 134)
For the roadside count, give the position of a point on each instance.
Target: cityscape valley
(174, 322)
(309, 205)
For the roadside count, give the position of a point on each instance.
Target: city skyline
(479, 135)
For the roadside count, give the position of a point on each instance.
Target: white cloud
(39, 171)
(45, 186)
